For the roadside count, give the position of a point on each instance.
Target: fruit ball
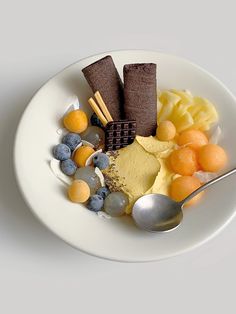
(181, 187)
(192, 138)
(94, 135)
(82, 154)
(212, 158)
(166, 131)
(89, 175)
(184, 161)
(79, 191)
(115, 204)
(76, 121)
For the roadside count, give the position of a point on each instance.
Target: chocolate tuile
(140, 95)
(103, 76)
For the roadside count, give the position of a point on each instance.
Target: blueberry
(101, 161)
(103, 192)
(61, 152)
(68, 167)
(95, 120)
(95, 203)
(71, 140)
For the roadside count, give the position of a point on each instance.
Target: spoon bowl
(157, 212)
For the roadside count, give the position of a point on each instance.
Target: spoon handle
(206, 185)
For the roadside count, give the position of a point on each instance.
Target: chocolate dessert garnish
(119, 134)
(103, 76)
(140, 96)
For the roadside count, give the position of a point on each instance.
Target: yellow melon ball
(212, 158)
(192, 138)
(181, 187)
(76, 121)
(184, 161)
(166, 131)
(82, 154)
(79, 191)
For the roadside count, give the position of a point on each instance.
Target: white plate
(118, 238)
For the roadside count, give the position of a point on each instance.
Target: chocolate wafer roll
(102, 76)
(140, 96)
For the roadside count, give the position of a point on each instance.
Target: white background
(38, 272)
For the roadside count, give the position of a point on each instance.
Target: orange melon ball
(212, 158)
(76, 121)
(184, 161)
(181, 187)
(192, 138)
(79, 191)
(166, 131)
(82, 154)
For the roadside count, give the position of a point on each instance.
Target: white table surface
(38, 272)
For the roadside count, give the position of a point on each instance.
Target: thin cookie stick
(103, 106)
(97, 111)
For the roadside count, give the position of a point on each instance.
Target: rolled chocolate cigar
(103, 76)
(140, 96)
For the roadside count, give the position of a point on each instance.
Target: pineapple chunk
(186, 111)
(184, 122)
(168, 100)
(186, 98)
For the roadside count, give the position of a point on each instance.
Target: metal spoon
(156, 212)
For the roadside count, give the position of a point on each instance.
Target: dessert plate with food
(103, 136)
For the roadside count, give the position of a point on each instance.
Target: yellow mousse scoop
(140, 168)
